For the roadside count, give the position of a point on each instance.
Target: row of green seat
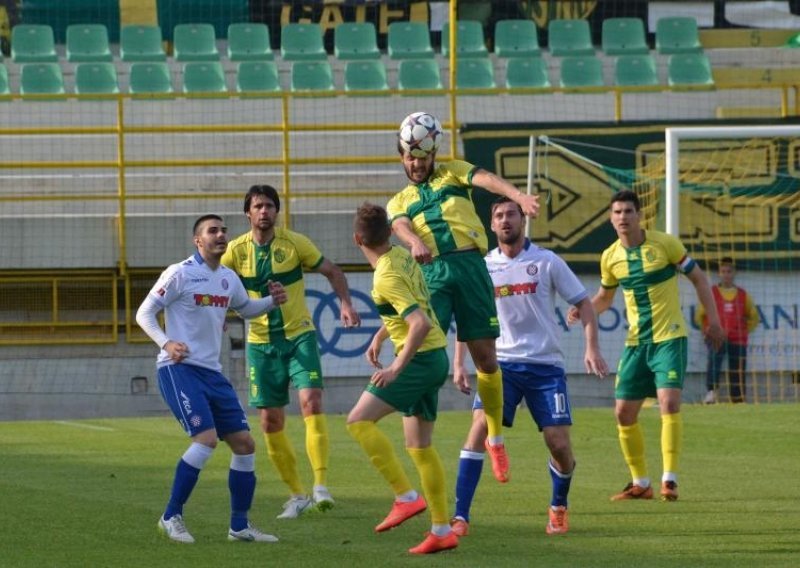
(262, 76)
(684, 69)
(352, 41)
(32, 43)
(568, 37)
(690, 69)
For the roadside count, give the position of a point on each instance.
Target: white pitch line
(86, 426)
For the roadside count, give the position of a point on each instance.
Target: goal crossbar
(673, 137)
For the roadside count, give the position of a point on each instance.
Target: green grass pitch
(89, 493)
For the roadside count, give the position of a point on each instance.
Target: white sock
(408, 496)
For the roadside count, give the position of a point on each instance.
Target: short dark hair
(499, 201)
(265, 191)
(727, 260)
(626, 195)
(203, 219)
(372, 225)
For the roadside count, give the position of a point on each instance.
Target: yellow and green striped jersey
(282, 260)
(398, 288)
(648, 275)
(441, 209)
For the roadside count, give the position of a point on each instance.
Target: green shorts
(415, 391)
(272, 365)
(645, 368)
(459, 285)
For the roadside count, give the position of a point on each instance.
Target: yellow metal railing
(56, 329)
(71, 307)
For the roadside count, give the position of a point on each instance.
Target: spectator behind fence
(739, 318)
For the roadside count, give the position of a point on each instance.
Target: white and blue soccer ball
(420, 134)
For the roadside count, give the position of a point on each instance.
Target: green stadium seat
(469, 40)
(526, 72)
(141, 43)
(41, 78)
(418, 74)
(257, 76)
(475, 73)
(312, 76)
(409, 40)
(355, 41)
(204, 77)
(302, 42)
(516, 38)
(249, 42)
(96, 78)
(635, 70)
(88, 42)
(365, 76)
(581, 71)
(150, 77)
(677, 35)
(623, 36)
(570, 37)
(689, 69)
(195, 42)
(5, 88)
(33, 43)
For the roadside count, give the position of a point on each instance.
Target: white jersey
(524, 291)
(195, 300)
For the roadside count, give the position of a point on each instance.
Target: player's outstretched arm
(146, 317)
(374, 350)
(601, 301)
(460, 373)
(592, 358)
(402, 228)
(499, 186)
(335, 275)
(418, 327)
(714, 334)
(254, 307)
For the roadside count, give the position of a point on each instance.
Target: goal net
(726, 192)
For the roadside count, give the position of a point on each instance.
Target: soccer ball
(420, 134)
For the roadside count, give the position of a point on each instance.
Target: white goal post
(675, 135)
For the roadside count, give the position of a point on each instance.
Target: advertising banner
(775, 345)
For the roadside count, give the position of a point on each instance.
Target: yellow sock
(283, 458)
(631, 440)
(317, 446)
(431, 473)
(380, 452)
(490, 389)
(671, 438)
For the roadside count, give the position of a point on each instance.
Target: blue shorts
(544, 388)
(201, 399)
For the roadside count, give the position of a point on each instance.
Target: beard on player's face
(418, 169)
(508, 234)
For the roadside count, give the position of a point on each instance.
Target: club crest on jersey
(280, 255)
(211, 300)
(532, 269)
(196, 420)
(224, 284)
(649, 255)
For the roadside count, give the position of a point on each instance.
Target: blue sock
(182, 486)
(242, 485)
(561, 482)
(470, 466)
